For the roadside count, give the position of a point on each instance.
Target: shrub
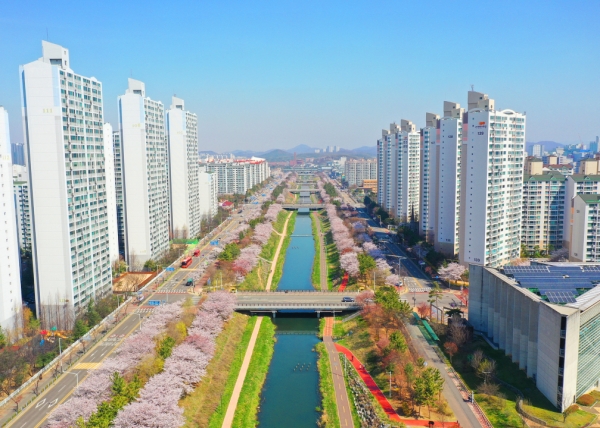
(586, 400)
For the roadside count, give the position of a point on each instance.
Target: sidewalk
(383, 401)
(339, 384)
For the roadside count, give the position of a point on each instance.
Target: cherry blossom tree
(452, 272)
(392, 280)
(349, 263)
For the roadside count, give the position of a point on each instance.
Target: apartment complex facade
(239, 175)
(543, 211)
(111, 193)
(22, 206)
(399, 182)
(585, 244)
(429, 172)
(119, 198)
(144, 163)
(208, 193)
(492, 157)
(357, 171)
(182, 134)
(448, 188)
(10, 281)
(576, 185)
(63, 120)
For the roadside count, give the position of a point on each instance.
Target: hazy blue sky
(280, 73)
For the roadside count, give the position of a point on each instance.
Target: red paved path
(344, 282)
(385, 404)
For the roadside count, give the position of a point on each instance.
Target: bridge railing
(280, 305)
(294, 292)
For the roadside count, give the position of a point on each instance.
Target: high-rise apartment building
(240, 175)
(491, 183)
(356, 171)
(119, 198)
(429, 172)
(398, 155)
(576, 185)
(585, 238)
(18, 153)
(594, 145)
(22, 206)
(208, 191)
(537, 150)
(144, 162)
(63, 122)
(10, 280)
(448, 160)
(111, 193)
(543, 211)
(182, 134)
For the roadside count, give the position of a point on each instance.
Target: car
(347, 299)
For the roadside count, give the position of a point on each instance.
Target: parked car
(347, 299)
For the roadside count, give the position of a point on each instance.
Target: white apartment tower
(111, 193)
(398, 157)
(448, 156)
(182, 133)
(576, 185)
(428, 176)
(63, 123)
(585, 238)
(145, 170)
(356, 171)
(118, 163)
(208, 192)
(10, 280)
(22, 206)
(492, 157)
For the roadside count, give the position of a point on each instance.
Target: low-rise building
(547, 318)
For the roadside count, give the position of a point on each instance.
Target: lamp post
(390, 394)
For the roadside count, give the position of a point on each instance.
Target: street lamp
(390, 394)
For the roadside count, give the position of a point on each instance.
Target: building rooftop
(581, 178)
(560, 283)
(590, 199)
(550, 176)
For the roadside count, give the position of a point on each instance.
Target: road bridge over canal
(311, 207)
(295, 301)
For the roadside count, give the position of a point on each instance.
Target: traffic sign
(170, 269)
(153, 302)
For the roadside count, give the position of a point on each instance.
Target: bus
(186, 262)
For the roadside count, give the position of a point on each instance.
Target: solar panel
(560, 296)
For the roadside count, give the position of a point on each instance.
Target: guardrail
(285, 305)
(102, 323)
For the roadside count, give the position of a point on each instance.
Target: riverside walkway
(339, 384)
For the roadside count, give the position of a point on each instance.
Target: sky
(275, 74)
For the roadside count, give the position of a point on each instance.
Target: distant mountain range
(279, 155)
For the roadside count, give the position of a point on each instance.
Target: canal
(290, 395)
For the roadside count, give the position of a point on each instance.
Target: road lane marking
(61, 388)
(53, 402)
(41, 403)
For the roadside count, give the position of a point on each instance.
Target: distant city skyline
(321, 74)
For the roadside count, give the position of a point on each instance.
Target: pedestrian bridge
(303, 190)
(295, 301)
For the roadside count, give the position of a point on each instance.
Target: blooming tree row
(157, 404)
(97, 386)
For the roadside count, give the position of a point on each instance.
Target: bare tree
(458, 331)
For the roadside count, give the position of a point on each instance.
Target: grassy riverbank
(316, 272)
(286, 242)
(206, 406)
(333, 257)
(329, 415)
(247, 407)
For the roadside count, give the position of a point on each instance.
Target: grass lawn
(333, 257)
(280, 221)
(504, 413)
(247, 407)
(206, 406)
(329, 416)
(286, 242)
(316, 273)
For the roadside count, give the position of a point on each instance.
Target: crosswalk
(143, 310)
(86, 366)
(419, 289)
(171, 291)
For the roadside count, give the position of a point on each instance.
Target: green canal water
(290, 395)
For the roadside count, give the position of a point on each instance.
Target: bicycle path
(339, 384)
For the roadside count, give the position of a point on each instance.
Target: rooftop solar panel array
(560, 284)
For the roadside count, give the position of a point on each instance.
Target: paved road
(339, 384)
(174, 289)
